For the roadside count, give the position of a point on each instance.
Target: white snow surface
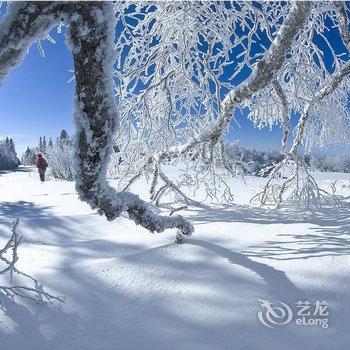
(125, 288)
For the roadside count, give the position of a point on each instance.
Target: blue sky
(36, 100)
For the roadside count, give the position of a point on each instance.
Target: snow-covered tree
(50, 144)
(29, 156)
(11, 145)
(175, 97)
(44, 145)
(64, 135)
(160, 91)
(8, 155)
(60, 157)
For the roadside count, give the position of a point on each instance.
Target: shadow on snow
(157, 304)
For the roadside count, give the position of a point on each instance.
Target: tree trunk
(91, 38)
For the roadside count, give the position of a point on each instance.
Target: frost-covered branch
(9, 271)
(343, 22)
(300, 186)
(263, 74)
(321, 94)
(25, 23)
(172, 186)
(266, 70)
(303, 185)
(285, 110)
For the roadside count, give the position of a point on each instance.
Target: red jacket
(41, 163)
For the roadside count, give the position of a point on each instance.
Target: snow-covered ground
(125, 288)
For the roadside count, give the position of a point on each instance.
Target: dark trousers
(42, 174)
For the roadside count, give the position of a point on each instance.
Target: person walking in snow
(41, 164)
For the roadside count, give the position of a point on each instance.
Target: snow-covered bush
(60, 157)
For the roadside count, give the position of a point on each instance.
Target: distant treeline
(259, 160)
(59, 155)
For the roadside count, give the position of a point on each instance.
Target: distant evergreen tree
(44, 144)
(50, 145)
(64, 135)
(12, 146)
(40, 144)
(64, 139)
(26, 154)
